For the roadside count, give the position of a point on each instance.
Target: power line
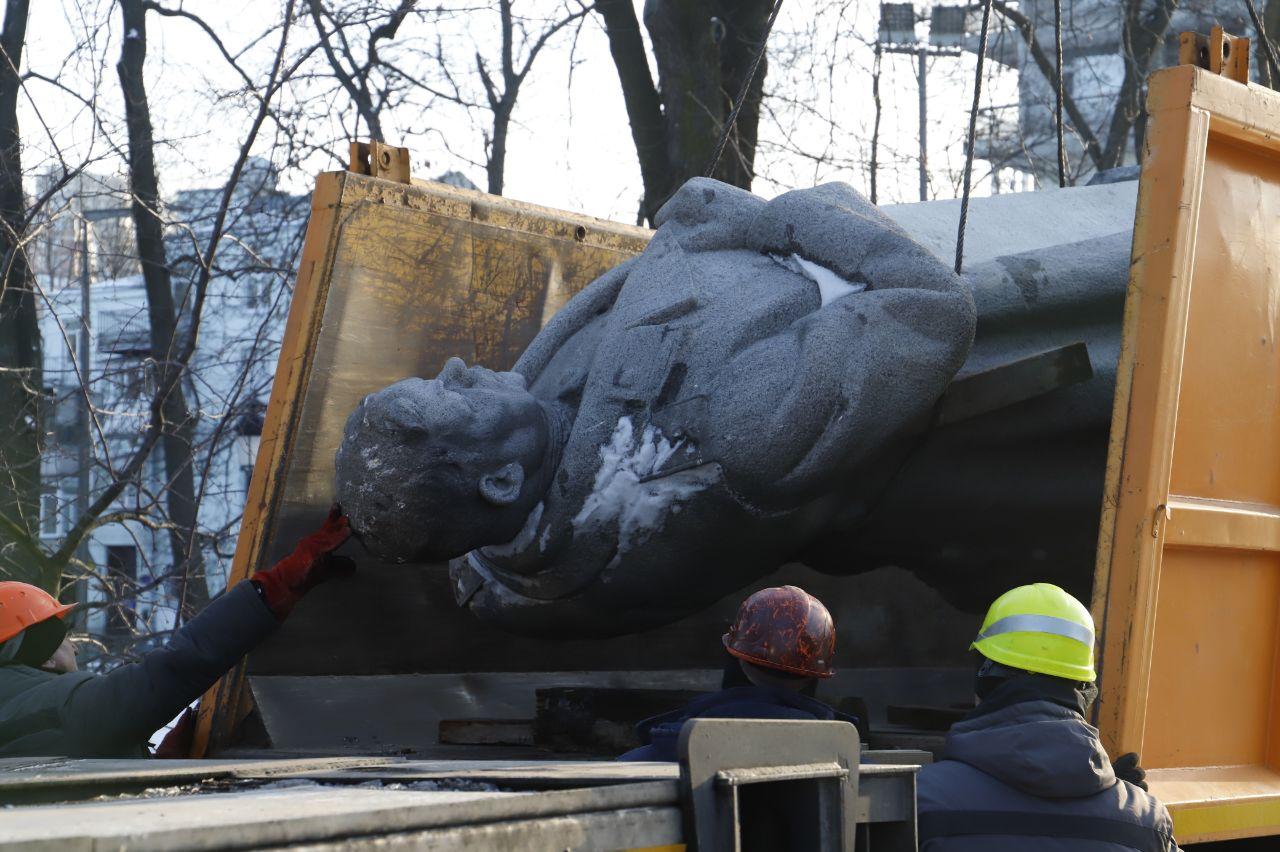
(732, 120)
(1057, 39)
(973, 132)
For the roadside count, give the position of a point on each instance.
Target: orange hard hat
(784, 628)
(22, 605)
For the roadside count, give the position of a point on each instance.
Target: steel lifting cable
(973, 132)
(1269, 48)
(732, 120)
(1057, 39)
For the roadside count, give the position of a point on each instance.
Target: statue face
(431, 468)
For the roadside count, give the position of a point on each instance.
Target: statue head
(430, 469)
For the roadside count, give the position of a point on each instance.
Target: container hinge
(1217, 53)
(380, 160)
(1163, 513)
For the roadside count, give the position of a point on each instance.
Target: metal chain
(1268, 47)
(732, 120)
(973, 132)
(1057, 38)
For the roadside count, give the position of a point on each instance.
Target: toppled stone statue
(693, 419)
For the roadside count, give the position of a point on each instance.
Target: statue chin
(583, 615)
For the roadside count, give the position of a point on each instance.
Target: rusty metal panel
(1187, 588)
(394, 279)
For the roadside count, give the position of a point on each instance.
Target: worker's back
(1018, 775)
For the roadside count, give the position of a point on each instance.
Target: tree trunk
(179, 426)
(353, 81)
(1143, 38)
(21, 374)
(1049, 69)
(744, 30)
(497, 164)
(703, 50)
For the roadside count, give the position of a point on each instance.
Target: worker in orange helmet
(49, 708)
(783, 642)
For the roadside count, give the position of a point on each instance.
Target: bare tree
(1143, 37)
(703, 51)
(501, 94)
(1079, 124)
(176, 423)
(20, 346)
(369, 81)
(138, 398)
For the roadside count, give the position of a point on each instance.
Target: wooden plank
(974, 394)
(486, 732)
(600, 721)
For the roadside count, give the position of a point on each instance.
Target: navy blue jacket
(661, 733)
(1033, 775)
(81, 714)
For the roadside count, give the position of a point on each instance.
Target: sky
(570, 147)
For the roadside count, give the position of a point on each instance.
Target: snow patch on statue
(631, 491)
(830, 285)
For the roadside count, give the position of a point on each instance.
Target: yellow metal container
(1187, 586)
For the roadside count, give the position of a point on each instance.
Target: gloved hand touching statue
(312, 562)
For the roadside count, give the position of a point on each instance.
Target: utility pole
(84, 359)
(898, 35)
(922, 86)
(875, 132)
(84, 474)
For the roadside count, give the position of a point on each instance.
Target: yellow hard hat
(1039, 628)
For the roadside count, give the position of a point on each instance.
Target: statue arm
(590, 302)
(838, 385)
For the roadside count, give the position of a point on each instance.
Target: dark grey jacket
(1034, 775)
(113, 715)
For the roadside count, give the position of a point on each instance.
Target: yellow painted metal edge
(1187, 106)
(1148, 376)
(520, 215)
(223, 706)
(1226, 820)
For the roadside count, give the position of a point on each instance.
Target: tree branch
(1078, 121)
(644, 107)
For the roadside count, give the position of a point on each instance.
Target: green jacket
(82, 714)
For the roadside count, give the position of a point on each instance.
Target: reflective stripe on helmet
(1050, 624)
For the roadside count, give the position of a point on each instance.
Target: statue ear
(502, 486)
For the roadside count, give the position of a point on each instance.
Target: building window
(49, 513)
(121, 583)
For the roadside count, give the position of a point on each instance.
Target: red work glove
(176, 744)
(311, 563)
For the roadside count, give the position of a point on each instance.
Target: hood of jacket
(1039, 747)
